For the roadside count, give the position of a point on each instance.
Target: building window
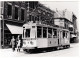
(44, 32)
(33, 4)
(39, 32)
(70, 28)
(66, 25)
(16, 12)
(9, 11)
(48, 15)
(32, 18)
(49, 33)
(44, 13)
(36, 19)
(22, 14)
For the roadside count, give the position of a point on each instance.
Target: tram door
(59, 37)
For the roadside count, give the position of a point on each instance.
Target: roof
(64, 14)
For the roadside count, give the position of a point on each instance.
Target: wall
(59, 22)
(64, 14)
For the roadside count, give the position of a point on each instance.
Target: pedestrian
(18, 44)
(13, 43)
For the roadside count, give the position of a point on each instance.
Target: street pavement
(70, 52)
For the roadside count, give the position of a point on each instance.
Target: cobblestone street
(72, 51)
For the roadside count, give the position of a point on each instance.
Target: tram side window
(27, 33)
(54, 33)
(44, 32)
(66, 34)
(49, 33)
(39, 32)
(63, 34)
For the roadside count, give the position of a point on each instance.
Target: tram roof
(37, 24)
(30, 24)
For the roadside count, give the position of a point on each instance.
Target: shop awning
(15, 29)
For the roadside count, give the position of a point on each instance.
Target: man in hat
(13, 43)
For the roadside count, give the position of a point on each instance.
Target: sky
(72, 6)
(62, 5)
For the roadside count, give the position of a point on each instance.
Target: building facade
(67, 19)
(13, 15)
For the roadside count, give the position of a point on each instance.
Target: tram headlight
(31, 42)
(24, 42)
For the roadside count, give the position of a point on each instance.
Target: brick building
(14, 14)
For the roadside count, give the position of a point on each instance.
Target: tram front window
(39, 32)
(27, 33)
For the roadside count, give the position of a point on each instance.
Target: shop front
(9, 31)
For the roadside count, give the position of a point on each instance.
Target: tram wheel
(67, 46)
(29, 50)
(64, 47)
(58, 48)
(24, 49)
(55, 48)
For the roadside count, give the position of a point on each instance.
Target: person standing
(13, 43)
(18, 44)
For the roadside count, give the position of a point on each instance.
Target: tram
(42, 36)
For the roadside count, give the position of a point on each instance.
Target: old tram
(42, 36)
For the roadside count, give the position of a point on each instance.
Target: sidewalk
(9, 52)
(72, 51)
